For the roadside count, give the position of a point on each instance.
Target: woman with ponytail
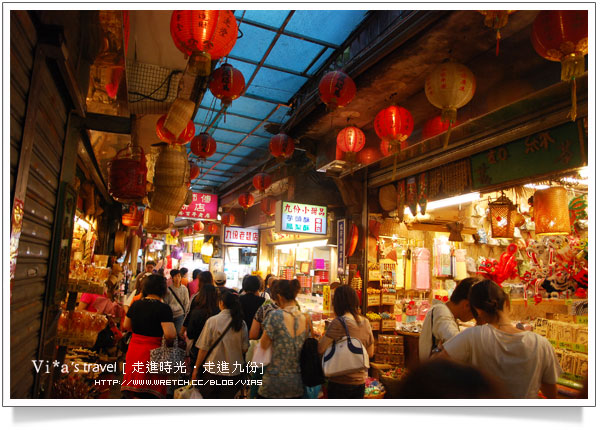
(221, 348)
(524, 361)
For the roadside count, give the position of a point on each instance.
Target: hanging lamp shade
(227, 84)
(194, 171)
(551, 211)
(351, 139)
(496, 19)
(336, 89)
(368, 156)
(227, 218)
(502, 217)
(166, 136)
(394, 123)
(203, 145)
(174, 232)
(267, 205)
(262, 181)
(436, 126)
(198, 226)
(562, 35)
(213, 228)
(281, 146)
(246, 200)
(449, 87)
(386, 147)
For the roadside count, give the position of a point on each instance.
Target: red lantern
(211, 31)
(262, 181)
(281, 146)
(203, 145)
(351, 139)
(336, 89)
(368, 156)
(198, 226)
(268, 206)
(394, 123)
(246, 200)
(213, 228)
(227, 84)
(496, 19)
(436, 126)
(148, 242)
(227, 219)
(562, 35)
(385, 147)
(194, 171)
(166, 136)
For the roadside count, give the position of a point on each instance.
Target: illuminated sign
(240, 236)
(302, 218)
(203, 206)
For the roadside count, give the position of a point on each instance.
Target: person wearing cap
(220, 279)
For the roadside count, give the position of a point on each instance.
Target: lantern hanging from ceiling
(502, 217)
(449, 87)
(166, 136)
(262, 181)
(203, 145)
(551, 211)
(213, 228)
(562, 35)
(174, 232)
(194, 171)
(336, 89)
(436, 126)
(268, 206)
(350, 140)
(227, 218)
(281, 146)
(496, 19)
(246, 200)
(367, 156)
(227, 84)
(204, 35)
(386, 148)
(198, 226)
(395, 124)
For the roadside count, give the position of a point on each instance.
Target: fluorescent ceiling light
(311, 244)
(537, 186)
(82, 223)
(452, 201)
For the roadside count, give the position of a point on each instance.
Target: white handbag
(347, 355)
(261, 355)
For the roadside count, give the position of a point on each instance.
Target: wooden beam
(419, 226)
(107, 123)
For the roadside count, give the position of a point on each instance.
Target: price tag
(581, 319)
(373, 299)
(388, 299)
(568, 302)
(388, 324)
(375, 325)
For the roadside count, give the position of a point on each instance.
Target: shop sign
(203, 206)
(303, 218)
(326, 298)
(341, 246)
(240, 236)
(554, 150)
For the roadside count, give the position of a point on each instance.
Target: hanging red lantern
(351, 139)
(227, 84)
(281, 146)
(394, 124)
(268, 206)
(436, 126)
(368, 155)
(562, 35)
(194, 171)
(227, 218)
(336, 89)
(166, 136)
(246, 200)
(198, 226)
(203, 145)
(174, 232)
(496, 19)
(213, 228)
(386, 147)
(449, 87)
(262, 181)
(148, 242)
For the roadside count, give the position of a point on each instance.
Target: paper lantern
(502, 218)
(262, 181)
(267, 205)
(281, 146)
(436, 126)
(194, 171)
(213, 228)
(246, 200)
(166, 136)
(394, 124)
(351, 139)
(386, 148)
(449, 87)
(227, 84)
(227, 219)
(562, 35)
(198, 226)
(174, 232)
(368, 155)
(551, 211)
(496, 19)
(336, 89)
(203, 145)
(387, 197)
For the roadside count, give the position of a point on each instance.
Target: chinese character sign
(240, 236)
(301, 218)
(341, 242)
(203, 206)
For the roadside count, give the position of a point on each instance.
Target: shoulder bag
(310, 361)
(177, 298)
(167, 359)
(346, 355)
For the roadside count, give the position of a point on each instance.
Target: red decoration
(436, 126)
(198, 226)
(246, 200)
(368, 156)
(174, 232)
(212, 31)
(336, 89)
(194, 171)
(394, 123)
(281, 146)
(148, 242)
(386, 147)
(268, 206)
(133, 218)
(227, 84)
(562, 35)
(496, 19)
(262, 181)
(351, 139)
(166, 136)
(203, 145)
(127, 175)
(227, 219)
(213, 228)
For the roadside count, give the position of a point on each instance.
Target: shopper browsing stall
(178, 299)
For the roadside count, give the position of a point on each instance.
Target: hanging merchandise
(502, 217)
(227, 84)
(198, 226)
(460, 258)
(203, 145)
(421, 271)
(267, 205)
(401, 199)
(423, 191)
(166, 136)
(227, 219)
(436, 126)
(169, 200)
(562, 35)
(246, 200)
(408, 270)
(496, 19)
(336, 89)
(353, 240)
(388, 197)
(281, 146)
(179, 115)
(127, 175)
(411, 195)
(350, 140)
(455, 229)
(367, 156)
(551, 211)
(213, 228)
(449, 87)
(262, 181)
(156, 222)
(194, 171)
(577, 210)
(133, 217)
(172, 168)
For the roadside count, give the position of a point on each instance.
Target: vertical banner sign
(341, 247)
(203, 206)
(326, 298)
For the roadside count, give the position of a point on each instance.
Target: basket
(376, 396)
(127, 175)
(551, 211)
(393, 228)
(172, 168)
(157, 222)
(392, 386)
(133, 218)
(179, 115)
(502, 218)
(168, 200)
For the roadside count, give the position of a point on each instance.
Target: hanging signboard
(302, 218)
(240, 236)
(341, 246)
(203, 206)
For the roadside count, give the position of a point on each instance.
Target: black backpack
(310, 363)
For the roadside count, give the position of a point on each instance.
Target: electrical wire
(149, 96)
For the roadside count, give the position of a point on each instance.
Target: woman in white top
(524, 361)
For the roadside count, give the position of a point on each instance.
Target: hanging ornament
(213, 228)
(502, 218)
(227, 219)
(449, 87)
(496, 19)
(246, 200)
(395, 124)
(166, 136)
(562, 35)
(385, 147)
(267, 205)
(194, 171)
(551, 212)
(401, 199)
(204, 35)
(336, 89)
(436, 126)
(350, 140)
(262, 181)
(411, 195)
(198, 226)
(203, 145)
(368, 156)
(281, 146)
(423, 190)
(174, 232)
(227, 84)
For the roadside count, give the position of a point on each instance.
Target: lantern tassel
(573, 112)
(497, 42)
(447, 136)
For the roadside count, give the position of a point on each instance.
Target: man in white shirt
(441, 323)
